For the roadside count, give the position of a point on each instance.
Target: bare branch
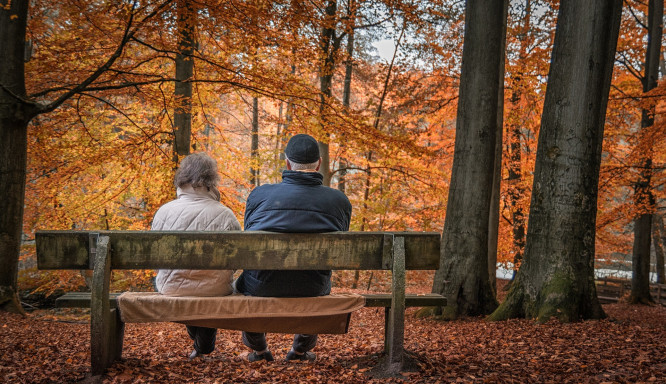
(636, 73)
(126, 116)
(127, 35)
(388, 77)
(638, 21)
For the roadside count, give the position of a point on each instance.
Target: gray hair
(198, 170)
(302, 167)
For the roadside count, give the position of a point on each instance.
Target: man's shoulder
(262, 189)
(335, 193)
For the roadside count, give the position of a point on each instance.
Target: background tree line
(99, 100)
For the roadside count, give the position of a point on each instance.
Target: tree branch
(636, 73)
(149, 137)
(631, 10)
(127, 35)
(388, 77)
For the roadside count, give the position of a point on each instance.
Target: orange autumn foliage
(103, 159)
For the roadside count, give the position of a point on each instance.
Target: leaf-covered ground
(629, 346)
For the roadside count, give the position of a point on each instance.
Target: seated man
(196, 208)
(300, 203)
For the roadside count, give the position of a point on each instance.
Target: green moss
(556, 299)
(426, 312)
(450, 312)
(512, 307)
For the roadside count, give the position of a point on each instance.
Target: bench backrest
(237, 250)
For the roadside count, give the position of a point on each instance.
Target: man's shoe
(195, 354)
(254, 356)
(307, 356)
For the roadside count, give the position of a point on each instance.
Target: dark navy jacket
(299, 204)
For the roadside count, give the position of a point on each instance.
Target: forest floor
(52, 346)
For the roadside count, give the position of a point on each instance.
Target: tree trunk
(516, 191)
(278, 139)
(658, 236)
(515, 177)
(328, 47)
(464, 261)
(556, 278)
(640, 259)
(15, 114)
(346, 93)
(182, 117)
(643, 196)
(254, 147)
(494, 218)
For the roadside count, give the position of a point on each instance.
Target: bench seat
(310, 315)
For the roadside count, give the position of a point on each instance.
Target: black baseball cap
(302, 149)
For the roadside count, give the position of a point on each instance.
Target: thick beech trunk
(13, 154)
(493, 219)
(556, 278)
(15, 114)
(182, 117)
(464, 260)
(643, 196)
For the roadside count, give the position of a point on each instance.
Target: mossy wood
(236, 250)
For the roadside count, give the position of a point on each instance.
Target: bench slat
(81, 300)
(411, 300)
(237, 250)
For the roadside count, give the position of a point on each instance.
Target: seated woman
(196, 208)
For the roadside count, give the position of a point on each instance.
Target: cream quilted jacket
(195, 209)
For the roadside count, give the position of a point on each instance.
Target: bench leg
(104, 323)
(396, 320)
(117, 334)
(387, 315)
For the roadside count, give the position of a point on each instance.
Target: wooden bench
(611, 290)
(103, 251)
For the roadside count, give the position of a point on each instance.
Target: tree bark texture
(15, 114)
(643, 196)
(658, 236)
(346, 92)
(556, 278)
(463, 274)
(182, 117)
(254, 145)
(329, 45)
(494, 218)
